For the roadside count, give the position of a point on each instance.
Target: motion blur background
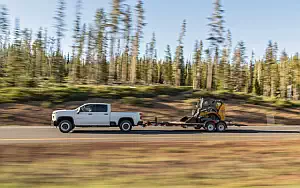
(159, 58)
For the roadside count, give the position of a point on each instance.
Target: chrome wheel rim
(210, 127)
(221, 127)
(65, 126)
(126, 126)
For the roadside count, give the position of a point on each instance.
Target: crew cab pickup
(95, 115)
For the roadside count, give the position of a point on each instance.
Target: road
(16, 135)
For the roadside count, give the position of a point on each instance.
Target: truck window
(100, 108)
(87, 108)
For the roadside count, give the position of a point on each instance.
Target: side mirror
(78, 111)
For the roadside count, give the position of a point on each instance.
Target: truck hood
(58, 111)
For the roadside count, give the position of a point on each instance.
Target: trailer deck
(209, 125)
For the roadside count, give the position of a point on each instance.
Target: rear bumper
(140, 123)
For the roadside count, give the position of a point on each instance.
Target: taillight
(141, 116)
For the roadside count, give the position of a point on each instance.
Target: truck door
(85, 116)
(101, 115)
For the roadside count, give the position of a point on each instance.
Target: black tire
(221, 127)
(126, 126)
(210, 127)
(65, 126)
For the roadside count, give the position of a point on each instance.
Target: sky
(253, 21)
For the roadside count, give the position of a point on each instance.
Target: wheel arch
(126, 118)
(62, 118)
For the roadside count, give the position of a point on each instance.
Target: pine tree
(4, 25)
(296, 76)
(188, 74)
(27, 60)
(101, 74)
(237, 72)
(15, 69)
(89, 60)
(197, 65)
(151, 60)
(46, 66)
(221, 71)
(258, 76)
(209, 70)
(82, 74)
(226, 55)
(58, 62)
(127, 32)
(76, 64)
(251, 74)
(168, 70)
(179, 59)
(284, 70)
(244, 67)
(155, 68)
(114, 28)
(267, 71)
(216, 38)
(60, 23)
(215, 67)
(136, 41)
(216, 26)
(4, 33)
(160, 70)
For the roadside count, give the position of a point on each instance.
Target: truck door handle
(90, 114)
(106, 114)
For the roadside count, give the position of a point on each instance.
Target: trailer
(209, 115)
(207, 124)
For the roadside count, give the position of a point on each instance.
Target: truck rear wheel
(65, 126)
(126, 126)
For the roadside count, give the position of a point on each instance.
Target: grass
(54, 94)
(189, 165)
(65, 93)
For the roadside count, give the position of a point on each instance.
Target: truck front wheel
(126, 126)
(65, 126)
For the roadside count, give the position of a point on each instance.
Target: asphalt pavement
(16, 134)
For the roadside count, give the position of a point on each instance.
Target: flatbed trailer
(208, 125)
(209, 114)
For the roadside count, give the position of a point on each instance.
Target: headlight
(53, 116)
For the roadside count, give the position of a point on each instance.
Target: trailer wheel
(221, 127)
(210, 127)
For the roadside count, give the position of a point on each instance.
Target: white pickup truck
(95, 115)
